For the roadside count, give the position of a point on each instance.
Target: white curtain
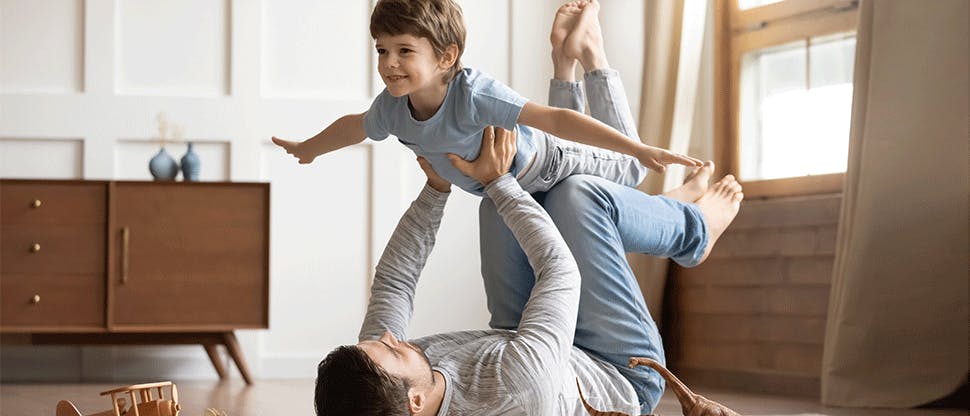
(675, 37)
(896, 334)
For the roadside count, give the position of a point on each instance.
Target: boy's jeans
(556, 158)
(600, 221)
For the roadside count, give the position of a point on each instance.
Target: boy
(440, 110)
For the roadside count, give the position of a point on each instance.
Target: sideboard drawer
(44, 248)
(51, 301)
(52, 202)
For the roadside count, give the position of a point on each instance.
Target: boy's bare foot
(719, 205)
(695, 185)
(564, 22)
(585, 41)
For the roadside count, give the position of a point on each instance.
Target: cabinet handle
(35, 247)
(35, 204)
(35, 299)
(125, 237)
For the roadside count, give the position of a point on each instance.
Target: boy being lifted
(439, 110)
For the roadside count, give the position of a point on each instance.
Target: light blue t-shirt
(474, 101)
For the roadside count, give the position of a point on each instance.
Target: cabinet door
(189, 256)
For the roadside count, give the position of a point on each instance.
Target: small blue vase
(163, 167)
(191, 165)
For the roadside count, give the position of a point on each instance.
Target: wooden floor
(295, 397)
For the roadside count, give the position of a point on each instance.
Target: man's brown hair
(350, 383)
(439, 21)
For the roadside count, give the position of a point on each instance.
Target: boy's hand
(495, 159)
(434, 180)
(657, 159)
(295, 149)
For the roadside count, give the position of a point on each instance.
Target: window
(785, 82)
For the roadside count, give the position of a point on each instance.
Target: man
(531, 370)
(548, 329)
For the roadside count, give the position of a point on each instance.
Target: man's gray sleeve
(534, 359)
(396, 277)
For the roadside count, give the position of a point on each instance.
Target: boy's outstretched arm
(581, 128)
(347, 130)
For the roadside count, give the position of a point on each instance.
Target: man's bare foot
(719, 205)
(564, 22)
(585, 41)
(695, 185)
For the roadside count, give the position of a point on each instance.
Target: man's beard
(424, 356)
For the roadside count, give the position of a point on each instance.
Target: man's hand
(657, 159)
(437, 182)
(297, 149)
(495, 159)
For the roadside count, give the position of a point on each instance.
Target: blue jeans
(600, 221)
(556, 159)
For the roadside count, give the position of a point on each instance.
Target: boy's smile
(409, 66)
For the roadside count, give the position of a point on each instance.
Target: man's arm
(392, 294)
(545, 335)
(396, 277)
(347, 130)
(548, 321)
(580, 128)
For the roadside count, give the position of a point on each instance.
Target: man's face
(400, 359)
(407, 64)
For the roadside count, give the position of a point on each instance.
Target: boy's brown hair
(439, 21)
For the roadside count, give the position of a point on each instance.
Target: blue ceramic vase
(163, 167)
(191, 165)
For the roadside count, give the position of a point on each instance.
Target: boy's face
(408, 64)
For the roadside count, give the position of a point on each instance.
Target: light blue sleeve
(377, 117)
(494, 103)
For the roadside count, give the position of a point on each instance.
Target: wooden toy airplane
(142, 403)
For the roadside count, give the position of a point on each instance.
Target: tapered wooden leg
(232, 345)
(216, 360)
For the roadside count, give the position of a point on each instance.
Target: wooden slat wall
(752, 317)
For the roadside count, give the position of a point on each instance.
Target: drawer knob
(35, 247)
(36, 203)
(35, 299)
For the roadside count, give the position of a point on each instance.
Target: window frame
(740, 31)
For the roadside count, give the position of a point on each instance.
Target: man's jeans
(600, 221)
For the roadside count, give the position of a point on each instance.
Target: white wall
(82, 81)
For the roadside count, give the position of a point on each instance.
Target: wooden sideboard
(126, 263)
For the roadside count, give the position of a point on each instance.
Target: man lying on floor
(530, 370)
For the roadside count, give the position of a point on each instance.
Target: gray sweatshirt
(530, 371)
